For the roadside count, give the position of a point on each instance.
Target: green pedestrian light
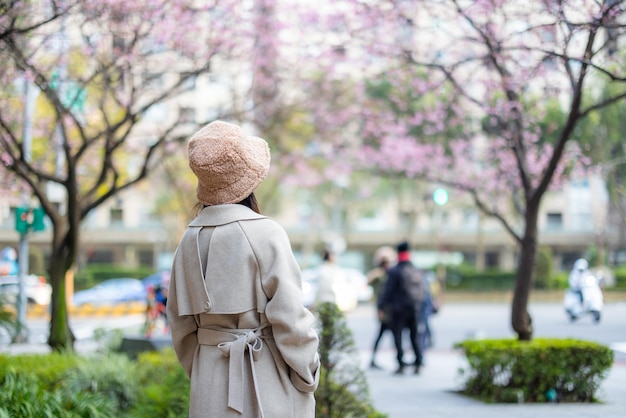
(440, 196)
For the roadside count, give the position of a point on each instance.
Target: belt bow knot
(234, 347)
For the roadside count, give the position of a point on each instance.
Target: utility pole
(22, 260)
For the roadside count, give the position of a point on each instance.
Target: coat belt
(233, 344)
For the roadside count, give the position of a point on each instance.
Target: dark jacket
(394, 294)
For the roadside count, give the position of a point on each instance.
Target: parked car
(160, 278)
(350, 289)
(37, 289)
(112, 292)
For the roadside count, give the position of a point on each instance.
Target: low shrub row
(620, 277)
(95, 386)
(467, 278)
(541, 370)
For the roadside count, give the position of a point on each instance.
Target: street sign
(27, 218)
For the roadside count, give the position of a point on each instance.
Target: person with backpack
(405, 293)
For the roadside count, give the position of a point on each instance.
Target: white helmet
(581, 264)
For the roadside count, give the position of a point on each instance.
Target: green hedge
(541, 370)
(620, 277)
(96, 273)
(467, 278)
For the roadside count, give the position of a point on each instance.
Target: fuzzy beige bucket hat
(229, 165)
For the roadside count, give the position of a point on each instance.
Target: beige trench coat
(237, 319)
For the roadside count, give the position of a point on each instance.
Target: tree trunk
(520, 318)
(61, 337)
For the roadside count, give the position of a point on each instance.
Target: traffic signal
(440, 196)
(21, 219)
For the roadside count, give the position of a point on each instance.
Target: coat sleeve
(292, 323)
(182, 327)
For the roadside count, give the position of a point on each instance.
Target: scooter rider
(576, 276)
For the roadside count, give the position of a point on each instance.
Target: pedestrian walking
(405, 293)
(376, 278)
(238, 324)
(329, 274)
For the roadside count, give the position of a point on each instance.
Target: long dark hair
(249, 201)
(252, 203)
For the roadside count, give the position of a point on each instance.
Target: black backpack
(414, 284)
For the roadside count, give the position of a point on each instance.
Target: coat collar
(224, 214)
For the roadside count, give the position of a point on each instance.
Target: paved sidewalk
(432, 392)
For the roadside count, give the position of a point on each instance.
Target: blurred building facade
(572, 221)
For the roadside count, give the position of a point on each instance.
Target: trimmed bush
(620, 277)
(343, 391)
(559, 280)
(541, 370)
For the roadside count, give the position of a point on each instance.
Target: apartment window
(470, 218)
(146, 257)
(492, 259)
(101, 256)
(555, 221)
(117, 217)
(405, 220)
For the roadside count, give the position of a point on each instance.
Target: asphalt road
(460, 321)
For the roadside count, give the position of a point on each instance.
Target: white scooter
(592, 300)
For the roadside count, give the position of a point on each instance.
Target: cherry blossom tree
(12, 16)
(451, 91)
(101, 68)
(457, 92)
